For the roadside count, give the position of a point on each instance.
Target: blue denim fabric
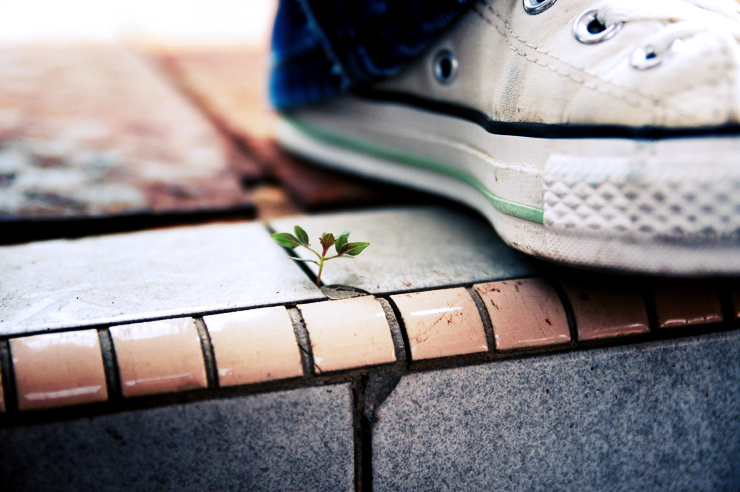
(322, 48)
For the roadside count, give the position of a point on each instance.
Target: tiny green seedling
(341, 244)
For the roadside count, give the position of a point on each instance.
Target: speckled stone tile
(524, 313)
(159, 357)
(441, 323)
(348, 333)
(131, 277)
(413, 248)
(58, 369)
(604, 310)
(254, 346)
(683, 303)
(300, 440)
(653, 416)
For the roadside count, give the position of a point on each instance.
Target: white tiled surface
(412, 248)
(144, 275)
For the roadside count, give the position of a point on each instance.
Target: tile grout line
(404, 334)
(290, 252)
(570, 315)
(304, 343)
(455, 285)
(110, 366)
(209, 356)
(360, 431)
(400, 341)
(646, 293)
(194, 315)
(485, 319)
(201, 314)
(363, 424)
(10, 395)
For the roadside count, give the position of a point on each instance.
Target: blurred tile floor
(97, 137)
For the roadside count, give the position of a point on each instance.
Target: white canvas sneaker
(596, 133)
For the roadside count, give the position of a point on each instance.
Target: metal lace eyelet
(646, 56)
(588, 29)
(445, 66)
(534, 7)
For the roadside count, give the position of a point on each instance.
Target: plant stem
(318, 277)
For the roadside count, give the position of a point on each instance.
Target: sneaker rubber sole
(658, 204)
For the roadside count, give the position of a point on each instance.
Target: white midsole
(601, 198)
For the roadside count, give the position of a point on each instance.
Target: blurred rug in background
(93, 140)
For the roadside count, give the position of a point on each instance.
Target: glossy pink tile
(348, 333)
(159, 357)
(603, 310)
(681, 304)
(441, 323)
(58, 369)
(525, 313)
(254, 346)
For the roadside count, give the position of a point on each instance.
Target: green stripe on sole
(507, 207)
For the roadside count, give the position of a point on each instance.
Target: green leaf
(327, 240)
(344, 233)
(341, 243)
(354, 249)
(286, 239)
(301, 235)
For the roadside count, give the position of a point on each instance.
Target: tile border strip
(311, 377)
